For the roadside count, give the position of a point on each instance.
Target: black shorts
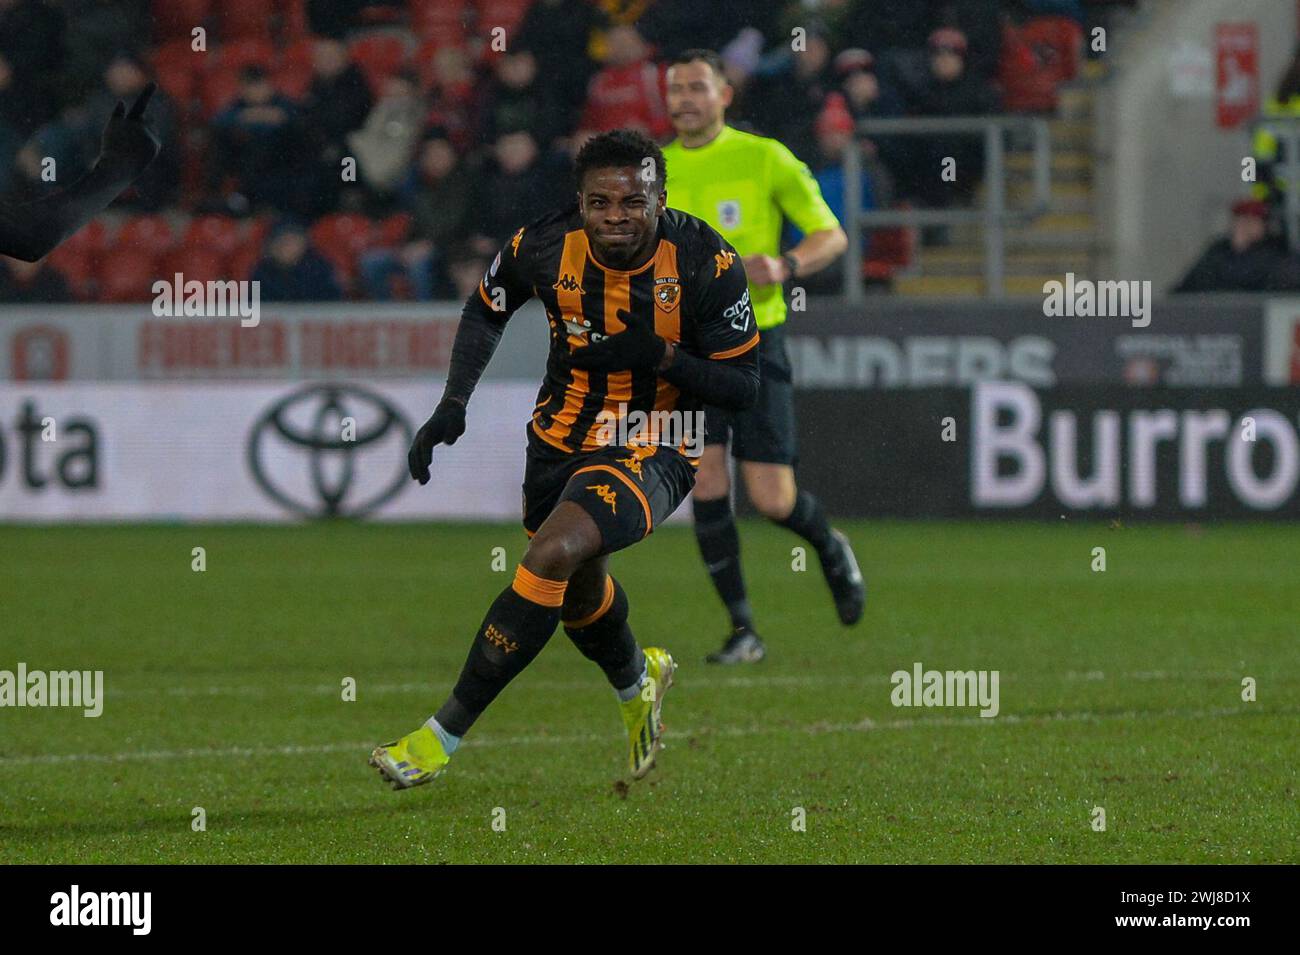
(627, 492)
(765, 432)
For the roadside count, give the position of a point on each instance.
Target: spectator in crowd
(31, 58)
(867, 97)
(440, 200)
(96, 30)
(515, 100)
(521, 183)
(337, 103)
(559, 35)
(1269, 151)
(948, 90)
(251, 139)
(334, 18)
(386, 142)
(31, 283)
(1247, 259)
(671, 26)
(629, 91)
(455, 99)
(834, 131)
(124, 77)
(292, 271)
(466, 265)
(784, 100)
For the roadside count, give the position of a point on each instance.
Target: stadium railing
(994, 215)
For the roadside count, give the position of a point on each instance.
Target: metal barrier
(1287, 131)
(994, 215)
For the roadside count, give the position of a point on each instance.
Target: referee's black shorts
(765, 432)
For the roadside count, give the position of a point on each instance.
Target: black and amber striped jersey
(693, 285)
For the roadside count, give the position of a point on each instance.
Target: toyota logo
(330, 450)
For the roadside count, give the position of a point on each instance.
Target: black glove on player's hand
(128, 143)
(637, 346)
(445, 425)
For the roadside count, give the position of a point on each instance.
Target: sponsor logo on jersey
(569, 283)
(739, 313)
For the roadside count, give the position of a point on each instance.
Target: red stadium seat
(380, 55)
(218, 90)
(77, 266)
(176, 18)
(221, 234)
(293, 20)
(152, 234)
(127, 275)
(177, 67)
(888, 251)
(234, 55)
(442, 21)
(243, 260)
(500, 13)
(244, 18)
(196, 264)
(393, 230)
(342, 237)
(1058, 41)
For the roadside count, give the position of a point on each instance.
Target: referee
(744, 185)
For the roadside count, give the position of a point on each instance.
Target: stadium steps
(1063, 239)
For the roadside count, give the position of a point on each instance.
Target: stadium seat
(500, 13)
(244, 19)
(177, 67)
(888, 251)
(293, 23)
(77, 262)
(234, 55)
(218, 90)
(341, 238)
(393, 230)
(440, 21)
(292, 73)
(126, 276)
(195, 263)
(1058, 41)
(221, 234)
(241, 262)
(379, 55)
(174, 19)
(149, 233)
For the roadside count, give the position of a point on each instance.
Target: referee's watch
(791, 264)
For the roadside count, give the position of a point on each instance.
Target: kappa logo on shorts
(606, 494)
(723, 262)
(667, 291)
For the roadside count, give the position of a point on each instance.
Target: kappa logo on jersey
(739, 313)
(729, 214)
(606, 494)
(514, 242)
(569, 283)
(723, 262)
(667, 291)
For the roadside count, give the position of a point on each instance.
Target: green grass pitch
(1119, 689)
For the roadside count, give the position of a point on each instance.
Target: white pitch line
(741, 682)
(812, 729)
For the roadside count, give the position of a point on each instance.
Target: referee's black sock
(604, 638)
(808, 520)
(715, 531)
(516, 627)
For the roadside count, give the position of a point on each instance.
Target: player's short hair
(707, 56)
(616, 149)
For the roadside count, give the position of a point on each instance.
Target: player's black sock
(715, 530)
(808, 520)
(516, 627)
(604, 638)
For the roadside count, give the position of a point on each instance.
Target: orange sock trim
(605, 603)
(548, 593)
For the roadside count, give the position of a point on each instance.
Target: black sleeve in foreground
(477, 337)
(730, 383)
(33, 230)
